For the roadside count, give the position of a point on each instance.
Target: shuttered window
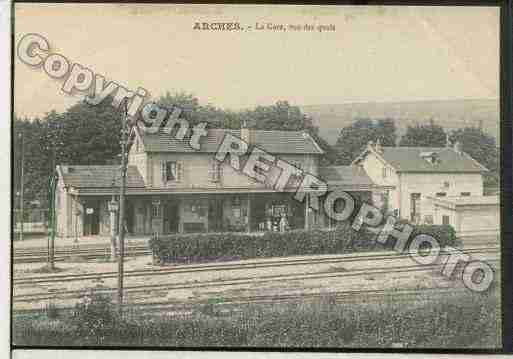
(295, 180)
(215, 171)
(171, 171)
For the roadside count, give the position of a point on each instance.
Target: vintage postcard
(256, 176)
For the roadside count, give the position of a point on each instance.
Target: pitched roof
(409, 159)
(345, 176)
(100, 176)
(285, 142)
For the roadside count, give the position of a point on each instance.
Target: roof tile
(284, 142)
(408, 159)
(100, 176)
(345, 176)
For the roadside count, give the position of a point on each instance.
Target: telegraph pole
(21, 184)
(51, 221)
(125, 132)
(53, 139)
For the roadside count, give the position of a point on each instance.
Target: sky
(375, 54)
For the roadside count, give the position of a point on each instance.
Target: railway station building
(172, 188)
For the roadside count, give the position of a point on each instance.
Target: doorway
(415, 207)
(171, 216)
(91, 219)
(215, 215)
(129, 217)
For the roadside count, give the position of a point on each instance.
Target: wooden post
(125, 133)
(21, 187)
(112, 210)
(121, 224)
(249, 213)
(307, 209)
(51, 222)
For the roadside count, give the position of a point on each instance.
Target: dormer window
(386, 172)
(431, 157)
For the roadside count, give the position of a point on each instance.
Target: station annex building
(172, 188)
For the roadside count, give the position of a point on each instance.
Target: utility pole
(53, 138)
(21, 184)
(51, 221)
(125, 132)
(113, 209)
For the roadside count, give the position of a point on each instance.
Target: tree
(430, 135)
(90, 134)
(481, 147)
(280, 116)
(284, 117)
(353, 138)
(86, 134)
(83, 134)
(195, 113)
(34, 161)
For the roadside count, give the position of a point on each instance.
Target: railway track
(345, 296)
(148, 288)
(333, 296)
(84, 251)
(222, 267)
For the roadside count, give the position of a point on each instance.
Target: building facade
(470, 216)
(409, 175)
(172, 188)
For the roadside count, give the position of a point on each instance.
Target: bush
(216, 246)
(469, 320)
(444, 234)
(95, 317)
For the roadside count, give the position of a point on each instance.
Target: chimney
(379, 148)
(245, 132)
(457, 147)
(447, 141)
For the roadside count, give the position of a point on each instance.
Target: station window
(171, 171)
(155, 206)
(215, 171)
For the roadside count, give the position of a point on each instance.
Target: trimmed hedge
(444, 234)
(234, 246)
(205, 247)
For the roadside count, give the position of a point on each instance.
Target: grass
(454, 321)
